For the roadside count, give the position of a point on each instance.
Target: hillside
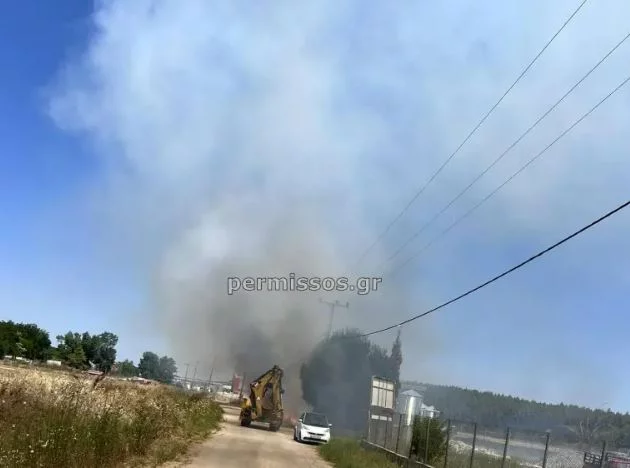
(496, 412)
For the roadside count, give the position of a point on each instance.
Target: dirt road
(253, 447)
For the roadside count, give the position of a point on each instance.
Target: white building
(428, 411)
(410, 404)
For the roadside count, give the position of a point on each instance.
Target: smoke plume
(226, 156)
(262, 139)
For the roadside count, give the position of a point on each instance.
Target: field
(56, 419)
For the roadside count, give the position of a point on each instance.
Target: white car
(312, 427)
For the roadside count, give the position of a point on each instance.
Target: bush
(348, 453)
(437, 439)
(57, 420)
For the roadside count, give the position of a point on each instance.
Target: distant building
(237, 381)
(428, 411)
(410, 404)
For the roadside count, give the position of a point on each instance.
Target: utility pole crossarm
(332, 306)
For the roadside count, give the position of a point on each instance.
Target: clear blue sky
(51, 272)
(199, 101)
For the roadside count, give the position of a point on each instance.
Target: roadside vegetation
(348, 453)
(55, 419)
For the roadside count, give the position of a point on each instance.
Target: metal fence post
(448, 442)
(410, 446)
(399, 427)
(387, 425)
(426, 442)
(505, 447)
(544, 465)
(474, 442)
(601, 461)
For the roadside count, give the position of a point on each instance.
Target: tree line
(492, 411)
(81, 351)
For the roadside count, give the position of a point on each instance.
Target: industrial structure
(410, 404)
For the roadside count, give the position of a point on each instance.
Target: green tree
(9, 339)
(126, 368)
(104, 351)
(70, 350)
(336, 377)
(152, 367)
(149, 366)
(97, 351)
(76, 357)
(34, 342)
(436, 449)
(24, 340)
(397, 360)
(168, 369)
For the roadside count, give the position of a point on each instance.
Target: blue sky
(148, 149)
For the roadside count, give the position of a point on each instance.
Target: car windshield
(314, 419)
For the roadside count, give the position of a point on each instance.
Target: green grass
(347, 453)
(55, 420)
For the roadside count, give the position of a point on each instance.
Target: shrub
(436, 439)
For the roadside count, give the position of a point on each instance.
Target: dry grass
(53, 419)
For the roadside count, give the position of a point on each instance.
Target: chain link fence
(463, 444)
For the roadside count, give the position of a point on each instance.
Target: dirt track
(253, 447)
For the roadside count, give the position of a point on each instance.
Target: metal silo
(409, 403)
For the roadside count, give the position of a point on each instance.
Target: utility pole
(211, 372)
(332, 306)
(195, 372)
(186, 375)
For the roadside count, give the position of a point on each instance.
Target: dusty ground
(252, 447)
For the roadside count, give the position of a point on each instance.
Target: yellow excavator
(265, 400)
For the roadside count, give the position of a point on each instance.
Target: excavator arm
(265, 400)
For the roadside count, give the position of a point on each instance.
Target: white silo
(408, 404)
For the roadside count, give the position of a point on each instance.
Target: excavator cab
(265, 400)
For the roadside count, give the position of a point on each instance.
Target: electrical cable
(505, 273)
(472, 132)
(504, 153)
(488, 282)
(509, 179)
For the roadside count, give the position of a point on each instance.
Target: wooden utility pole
(211, 372)
(332, 306)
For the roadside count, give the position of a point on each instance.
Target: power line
(509, 179)
(472, 132)
(506, 272)
(509, 148)
(488, 282)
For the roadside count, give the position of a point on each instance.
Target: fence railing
(462, 444)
